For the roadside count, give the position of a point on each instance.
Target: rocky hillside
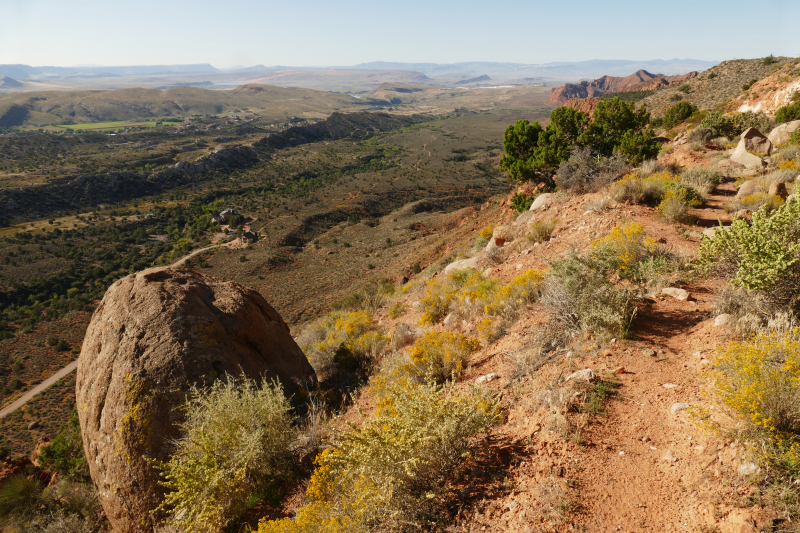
(638, 81)
(724, 84)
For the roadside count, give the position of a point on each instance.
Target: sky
(325, 33)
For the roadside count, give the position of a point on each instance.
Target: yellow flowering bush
(675, 202)
(467, 293)
(788, 165)
(623, 247)
(672, 195)
(760, 382)
(341, 338)
(762, 200)
(439, 355)
(392, 470)
(235, 440)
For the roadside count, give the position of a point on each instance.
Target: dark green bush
(520, 202)
(20, 497)
(678, 113)
(719, 124)
(65, 454)
(790, 112)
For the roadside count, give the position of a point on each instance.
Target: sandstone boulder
(155, 334)
(730, 168)
(755, 141)
(751, 141)
(778, 188)
(461, 264)
(543, 201)
(746, 189)
(784, 132)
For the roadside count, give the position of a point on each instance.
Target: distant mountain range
(454, 72)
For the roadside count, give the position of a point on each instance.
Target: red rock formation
(638, 81)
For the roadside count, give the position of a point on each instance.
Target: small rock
(607, 352)
(748, 469)
(33, 425)
(723, 320)
(449, 320)
(619, 370)
(569, 355)
(704, 362)
(645, 439)
(486, 379)
(621, 454)
(512, 506)
(668, 457)
(678, 294)
(519, 266)
(649, 352)
(744, 214)
(678, 407)
(778, 188)
(587, 374)
(669, 385)
(746, 189)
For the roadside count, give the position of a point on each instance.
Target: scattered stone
(678, 407)
(512, 506)
(587, 374)
(748, 469)
(678, 294)
(400, 280)
(648, 352)
(723, 320)
(743, 156)
(543, 201)
(619, 370)
(33, 425)
(449, 320)
(669, 385)
(668, 457)
(746, 189)
(645, 439)
(782, 134)
(486, 379)
(621, 454)
(608, 352)
(778, 188)
(156, 334)
(462, 264)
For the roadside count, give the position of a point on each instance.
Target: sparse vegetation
(251, 422)
(678, 113)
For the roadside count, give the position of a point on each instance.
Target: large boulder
(743, 157)
(755, 141)
(543, 201)
(784, 132)
(156, 334)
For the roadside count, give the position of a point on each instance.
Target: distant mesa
(477, 80)
(638, 81)
(7, 82)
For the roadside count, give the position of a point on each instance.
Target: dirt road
(38, 388)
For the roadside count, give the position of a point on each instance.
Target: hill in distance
(7, 82)
(641, 80)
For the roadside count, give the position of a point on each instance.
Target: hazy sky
(318, 32)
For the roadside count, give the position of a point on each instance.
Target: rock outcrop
(156, 334)
(640, 80)
(784, 132)
(751, 143)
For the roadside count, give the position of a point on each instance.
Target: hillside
(721, 84)
(270, 102)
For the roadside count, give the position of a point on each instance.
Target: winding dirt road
(22, 400)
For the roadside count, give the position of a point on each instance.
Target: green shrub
(720, 125)
(676, 202)
(746, 86)
(352, 336)
(769, 60)
(20, 497)
(521, 202)
(762, 256)
(236, 436)
(702, 180)
(392, 472)
(678, 113)
(65, 453)
(788, 113)
(581, 297)
(583, 172)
